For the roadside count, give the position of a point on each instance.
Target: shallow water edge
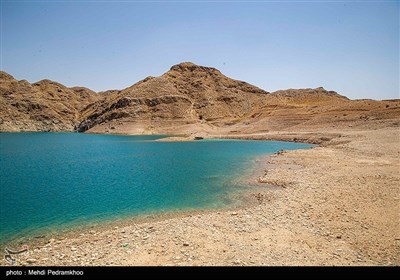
(239, 198)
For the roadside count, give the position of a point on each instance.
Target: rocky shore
(336, 204)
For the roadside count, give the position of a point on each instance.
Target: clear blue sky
(349, 47)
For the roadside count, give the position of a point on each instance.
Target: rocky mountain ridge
(186, 99)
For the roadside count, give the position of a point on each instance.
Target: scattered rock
(40, 236)
(281, 152)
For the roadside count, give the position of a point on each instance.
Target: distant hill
(187, 99)
(42, 106)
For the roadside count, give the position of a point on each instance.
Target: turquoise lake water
(51, 180)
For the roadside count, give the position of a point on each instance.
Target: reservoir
(56, 180)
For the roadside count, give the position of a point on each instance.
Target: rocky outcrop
(187, 91)
(42, 106)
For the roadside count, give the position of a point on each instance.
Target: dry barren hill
(187, 99)
(192, 99)
(42, 106)
(316, 109)
(187, 95)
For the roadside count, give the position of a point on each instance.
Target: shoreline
(322, 214)
(306, 137)
(239, 198)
